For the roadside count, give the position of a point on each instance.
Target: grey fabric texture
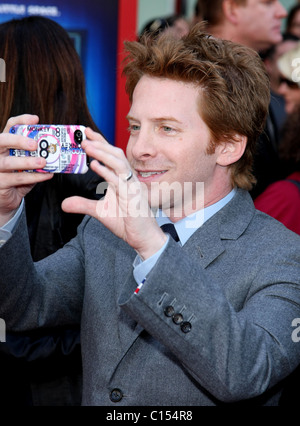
(236, 283)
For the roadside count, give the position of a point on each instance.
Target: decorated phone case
(60, 145)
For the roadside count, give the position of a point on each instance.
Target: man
(206, 320)
(253, 23)
(256, 24)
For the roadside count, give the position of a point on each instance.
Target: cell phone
(60, 145)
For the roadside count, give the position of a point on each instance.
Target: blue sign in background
(93, 26)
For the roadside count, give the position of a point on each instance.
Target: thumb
(80, 205)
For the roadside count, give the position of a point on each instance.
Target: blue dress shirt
(184, 228)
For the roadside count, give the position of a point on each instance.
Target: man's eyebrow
(156, 119)
(130, 118)
(162, 119)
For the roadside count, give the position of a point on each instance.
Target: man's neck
(203, 201)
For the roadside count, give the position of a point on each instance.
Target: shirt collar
(189, 224)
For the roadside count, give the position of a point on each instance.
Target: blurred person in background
(197, 15)
(282, 198)
(175, 25)
(293, 21)
(289, 68)
(45, 78)
(253, 23)
(256, 24)
(270, 58)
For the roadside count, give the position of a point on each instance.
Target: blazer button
(116, 395)
(186, 327)
(169, 311)
(177, 319)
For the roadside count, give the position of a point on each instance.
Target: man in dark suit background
(256, 24)
(206, 318)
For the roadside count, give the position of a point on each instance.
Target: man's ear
(230, 10)
(231, 151)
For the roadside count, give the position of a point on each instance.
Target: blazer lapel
(207, 243)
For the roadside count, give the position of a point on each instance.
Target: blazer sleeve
(34, 294)
(234, 353)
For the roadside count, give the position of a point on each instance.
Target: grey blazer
(211, 325)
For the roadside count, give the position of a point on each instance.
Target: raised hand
(14, 186)
(124, 209)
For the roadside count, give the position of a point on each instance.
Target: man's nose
(281, 12)
(143, 145)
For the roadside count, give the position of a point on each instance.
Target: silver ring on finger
(129, 176)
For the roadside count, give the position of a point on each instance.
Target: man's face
(168, 141)
(259, 23)
(271, 63)
(291, 94)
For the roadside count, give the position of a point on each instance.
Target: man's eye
(133, 128)
(168, 129)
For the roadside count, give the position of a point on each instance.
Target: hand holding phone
(60, 145)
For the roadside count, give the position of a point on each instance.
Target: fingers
(21, 119)
(114, 162)
(9, 140)
(96, 146)
(15, 180)
(9, 163)
(94, 136)
(80, 205)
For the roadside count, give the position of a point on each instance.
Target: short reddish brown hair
(235, 92)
